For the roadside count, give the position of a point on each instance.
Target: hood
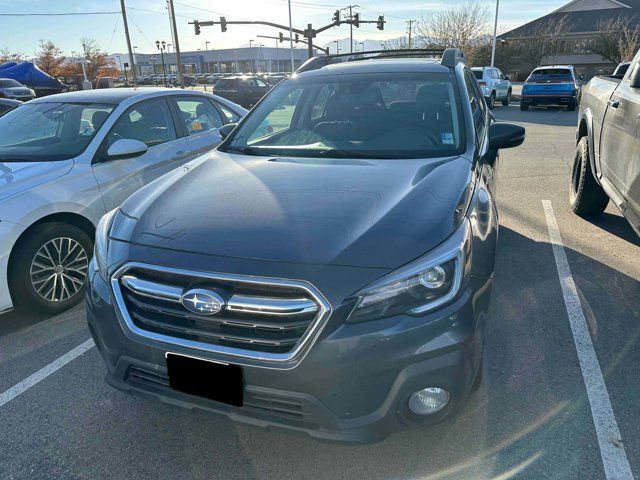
(378, 213)
(16, 177)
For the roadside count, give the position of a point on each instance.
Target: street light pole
(495, 34)
(161, 47)
(337, 46)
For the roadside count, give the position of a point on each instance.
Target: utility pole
(351, 29)
(495, 34)
(410, 25)
(126, 33)
(293, 68)
(176, 43)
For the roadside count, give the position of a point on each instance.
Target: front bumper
(352, 385)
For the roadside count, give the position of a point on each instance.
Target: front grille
(264, 316)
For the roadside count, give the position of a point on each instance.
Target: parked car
(554, 85)
(494, 84)
(14, 90)
(66, 158)
(606, 162)
(331, 275)
(7, 104)
(244, 90)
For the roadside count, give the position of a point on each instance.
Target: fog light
(428, 401)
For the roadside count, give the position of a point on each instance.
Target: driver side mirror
(225, 130)
(507, 77)
(126, 148)
(505, 135)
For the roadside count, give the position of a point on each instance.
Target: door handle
(613, 103)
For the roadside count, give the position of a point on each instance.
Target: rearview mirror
(126, 148)
(505, 135)
(225, 130)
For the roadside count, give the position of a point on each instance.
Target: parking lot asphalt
(531, 418)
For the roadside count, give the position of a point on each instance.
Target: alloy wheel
(59, 269)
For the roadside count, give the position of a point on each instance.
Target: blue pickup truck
(552, 85)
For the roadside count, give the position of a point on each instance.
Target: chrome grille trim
(240, 356)
(237, 303)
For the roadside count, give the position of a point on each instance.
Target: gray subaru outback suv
(328, 268)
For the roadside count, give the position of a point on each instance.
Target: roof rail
(319, 62)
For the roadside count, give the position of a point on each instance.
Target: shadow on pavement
(615, 225)
(552, 116)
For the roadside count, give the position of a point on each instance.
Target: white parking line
(614, 457)
(44, 372)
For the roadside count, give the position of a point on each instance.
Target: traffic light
(196, 27)
(223, 24)
(381, 22)
(336, 16)
(280, 37)
(297, 38)
(356, 20)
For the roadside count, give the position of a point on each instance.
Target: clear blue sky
(22, 33)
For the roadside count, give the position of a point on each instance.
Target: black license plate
(215, 381)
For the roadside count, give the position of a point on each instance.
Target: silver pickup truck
(607, 160)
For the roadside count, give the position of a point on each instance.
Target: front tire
(48, 271)
(507, 100)
(492, 101)
(572, 105)
(524, 107)
(586, 196)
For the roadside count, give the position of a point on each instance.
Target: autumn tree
(617, 39)
(98, 61)
(49, 58)
(459, 26)
(395, 44)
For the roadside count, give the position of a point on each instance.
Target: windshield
(9, 83)
(50, 131)
(412, 115)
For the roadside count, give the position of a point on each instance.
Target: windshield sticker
(447, 138)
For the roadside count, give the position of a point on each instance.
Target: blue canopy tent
(31, 76)
(7, 65)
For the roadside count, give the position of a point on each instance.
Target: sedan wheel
(49, 267)
(59, 269)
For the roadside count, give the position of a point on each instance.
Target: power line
(61, 14)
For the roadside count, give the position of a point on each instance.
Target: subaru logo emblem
(202, 302)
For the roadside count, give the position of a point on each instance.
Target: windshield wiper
(245, 150)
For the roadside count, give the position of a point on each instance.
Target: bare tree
(49, 58)
(7, 56)
(539, 41)
(458, 26)
(617, 39)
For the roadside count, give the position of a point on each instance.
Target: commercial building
(581, 19)
(258, 58)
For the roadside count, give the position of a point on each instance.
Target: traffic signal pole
(310, 33)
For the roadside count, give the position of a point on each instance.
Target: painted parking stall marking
(614, 457)
(44, 372)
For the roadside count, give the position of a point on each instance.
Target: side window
(260, 83)
(149, 122)
(477, 105)
(232, 116)
(500, 75)
(198, 115)
(280, 118)
(320, 103)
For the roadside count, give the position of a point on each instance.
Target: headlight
(102, 241)
(421, 286)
